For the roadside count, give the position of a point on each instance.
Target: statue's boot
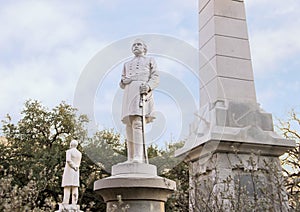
(138, 154)
(130, 144)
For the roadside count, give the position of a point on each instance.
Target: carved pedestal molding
(68, 208)
(135, 187)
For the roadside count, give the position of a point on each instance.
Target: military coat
(140, 70)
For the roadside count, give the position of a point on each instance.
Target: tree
(33, 157)
(106, 149)
(291, 161)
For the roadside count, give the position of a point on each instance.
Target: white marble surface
(226, 46)
(223, 26)
(137, 186)
(220, 66)
(222, 88)
(138, 169)
(68, 208)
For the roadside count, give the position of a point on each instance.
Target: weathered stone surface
(133, 206)
(227, 67)
(229, 121)
(68, 208)
(223, 178)
(226, 46)
(136, 187)
(225, 8)
(134, 168)
(230, 27)
(222, 88)
(232, 147)
(225, 60)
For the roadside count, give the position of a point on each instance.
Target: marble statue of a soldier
(70, 179)
(139, 76)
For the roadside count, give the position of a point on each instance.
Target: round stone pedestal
(135, 187)
(68, 208)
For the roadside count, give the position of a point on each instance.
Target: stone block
(223, 26)
(266, 162)
(223, 8)
(231, 27)
(134, 168)
(223, 161)
(234, 67)
(207, 51)
(239, 114)
(235, 160)
(229, 67)
(68, 208)
(207, 32)
(229, 8)
(202, 4)
(225, 46)
(224, 174)
(250, 184)
(227, 89)
(225, 188)
(232, 47)
(206, 14)
(203, 59)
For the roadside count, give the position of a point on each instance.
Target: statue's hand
(76, 168)
(144, 89)
(126, 80)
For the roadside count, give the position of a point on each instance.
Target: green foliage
(179, 200)
(105, 149)
(34, 156)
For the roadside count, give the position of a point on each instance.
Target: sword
(142, 105)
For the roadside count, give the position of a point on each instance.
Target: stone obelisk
(225, 62)
(232, 141)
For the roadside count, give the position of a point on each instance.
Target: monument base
(242, 123)
(237, 181)
(68, 208)
(135, 187)
(234, 159)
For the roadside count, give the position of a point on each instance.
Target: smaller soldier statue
(70, 178)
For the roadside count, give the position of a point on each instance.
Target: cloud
(271, 47)
(40, 25)
(46, 44)
(45, 47)
(274, 34)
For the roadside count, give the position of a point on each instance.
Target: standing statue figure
(139, 78)
(70, 179)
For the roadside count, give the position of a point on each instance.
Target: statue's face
(138, 48)
(73, 144)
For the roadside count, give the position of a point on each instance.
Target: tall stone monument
(232, 147)
(134, 185)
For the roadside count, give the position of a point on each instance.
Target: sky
(47, 46)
